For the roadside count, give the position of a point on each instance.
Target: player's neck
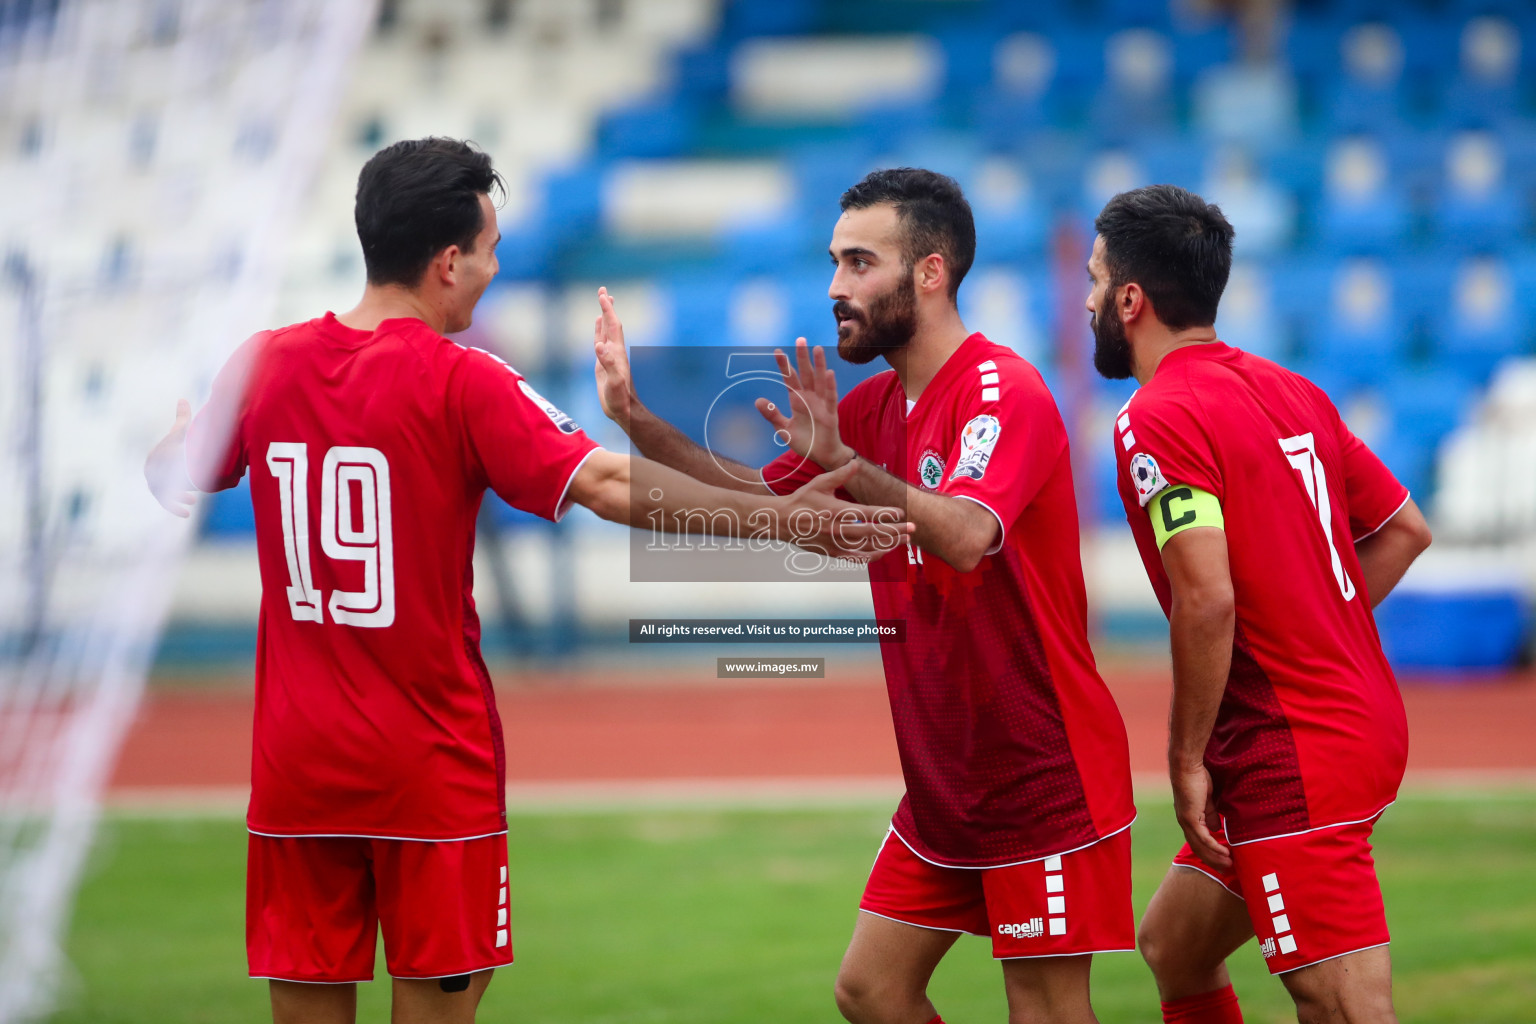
(919, 361)
(1148, 353)
(388, 302)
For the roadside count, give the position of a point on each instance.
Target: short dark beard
(888, 326)
(1111, 348)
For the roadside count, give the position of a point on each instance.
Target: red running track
(569, 729)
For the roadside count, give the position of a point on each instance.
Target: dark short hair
(415, 199)
(932, 211)
(1175, 245)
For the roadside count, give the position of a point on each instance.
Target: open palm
(810, 429)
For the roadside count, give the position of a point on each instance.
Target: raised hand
(817, 520)
(1195, 806)
(615, 382)
(165, 468)
(811, 427)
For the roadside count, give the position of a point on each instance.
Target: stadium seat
(1255, 106)
(1361, 329)
(1136, 98)
(1478, 208)
(1362, 209)
(1482, 322)
(1369, 95)
(1262, 214)
(1486, 87)
(1424, 405)
(1247, 318)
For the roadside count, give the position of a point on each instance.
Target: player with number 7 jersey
(1311, 731)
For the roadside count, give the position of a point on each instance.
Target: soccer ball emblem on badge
(1146, 475)
(976, 443)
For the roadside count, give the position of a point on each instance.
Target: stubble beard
(886, 327)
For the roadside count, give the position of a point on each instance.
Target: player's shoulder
(871, 391)
(993, 371)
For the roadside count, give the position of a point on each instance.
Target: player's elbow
(1210, 604)
(977, 538)
(602, 485)
(1417, 534)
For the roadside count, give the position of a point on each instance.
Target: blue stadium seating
(1044, 105)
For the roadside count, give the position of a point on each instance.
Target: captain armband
(1177, 509)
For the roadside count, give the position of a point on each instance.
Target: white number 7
(1301, 451)
(361, 533)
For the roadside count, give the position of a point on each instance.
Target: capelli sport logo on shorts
(1031, 929)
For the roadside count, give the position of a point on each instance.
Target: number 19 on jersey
(355, 526)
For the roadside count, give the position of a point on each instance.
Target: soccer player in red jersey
(1269, 532)
(377, 795)
(1015, 823)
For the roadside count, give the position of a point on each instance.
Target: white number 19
(1301, 451)
(348, 533)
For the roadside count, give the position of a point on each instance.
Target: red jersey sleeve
(524, 448)
(1372, 495)
(1011, 442)
(1161, 439)
(217, 451)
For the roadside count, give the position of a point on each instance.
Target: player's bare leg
(1050, 989)
(300, 1002)
(885, 973)
(1190, 928)
(425, 1002)
(1355, 988)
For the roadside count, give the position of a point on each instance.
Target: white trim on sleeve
(1384, 522)
(564, 504)
(1002, 531)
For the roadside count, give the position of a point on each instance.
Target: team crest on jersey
(976, 443)
(560, 419)
(1147, 477)
(930, 470)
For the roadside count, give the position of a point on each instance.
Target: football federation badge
(930, 470)
(976, 443)
(560, 419)
(1146, 476)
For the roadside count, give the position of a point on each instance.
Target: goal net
(153, 155)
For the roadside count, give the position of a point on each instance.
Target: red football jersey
(1011, 745)
(1311, 729)
(368, 456)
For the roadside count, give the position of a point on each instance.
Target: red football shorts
(1078, 902)
(315, 904)
(1311, 897)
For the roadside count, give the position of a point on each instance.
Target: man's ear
(1133, 302)
(930, 273)
(446, 265)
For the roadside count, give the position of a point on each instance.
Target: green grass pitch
(716, 917)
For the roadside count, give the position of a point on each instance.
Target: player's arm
(656, 439)
(958, 530)
(1386, 554)
(642, 493)
(1190, 531)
